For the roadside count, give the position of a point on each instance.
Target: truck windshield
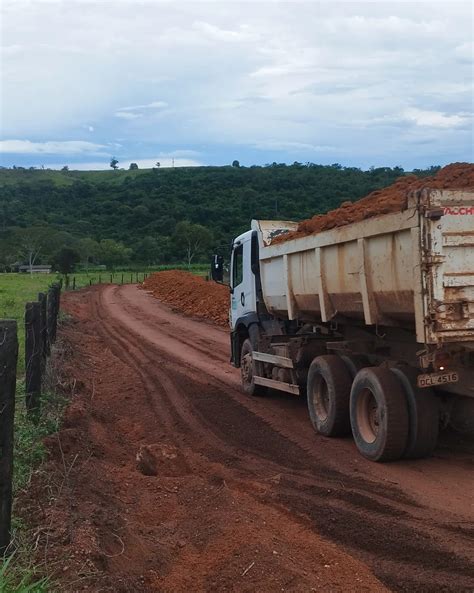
(237, 267)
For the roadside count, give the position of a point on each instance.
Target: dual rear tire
(390, 417)
(328, 392)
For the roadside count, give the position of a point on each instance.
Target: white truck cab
(242, 282)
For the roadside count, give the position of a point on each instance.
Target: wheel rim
(321, 398)
(246, 368)
(368, 417)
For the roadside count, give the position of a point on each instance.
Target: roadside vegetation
(21, 572)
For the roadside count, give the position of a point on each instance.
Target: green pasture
(17, 289)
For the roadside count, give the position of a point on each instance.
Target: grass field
(17, 289)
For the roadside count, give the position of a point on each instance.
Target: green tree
(114, 163)
(88, 250)
(65, 260)
(113, 253)
(147, 251)
(133, 167)
(191, 240)
(236, 164)
(32, 243)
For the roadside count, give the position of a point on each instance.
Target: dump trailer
(373, 322)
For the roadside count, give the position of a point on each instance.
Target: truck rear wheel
(423, 412)
(328, 392)
(379, 414)
(248, 371)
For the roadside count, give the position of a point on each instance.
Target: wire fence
(41, 320)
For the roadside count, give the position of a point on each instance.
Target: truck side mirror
(217, 268)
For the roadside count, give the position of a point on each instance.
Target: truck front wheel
(379, 414)
(328, 391)
(248, 371)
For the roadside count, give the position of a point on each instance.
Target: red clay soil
(383, 201)
(190, 294)
(140, 496)
(165, 478)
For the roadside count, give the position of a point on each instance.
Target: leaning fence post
(33, 357)
(8, 360)
(44, 328)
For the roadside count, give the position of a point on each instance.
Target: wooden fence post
(33, 358)
(8, 361)
(131, 278)
(51, 320)
(44, 328)
(56, 304)
(122, 278)
(74, 283)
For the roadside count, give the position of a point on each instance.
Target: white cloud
(224, 35)
(291, 146)
(435, 119)
(11, 49)
(127, 115)
(152, 105)
(61, 147)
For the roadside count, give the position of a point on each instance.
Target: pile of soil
(382, 201)
(190, 294)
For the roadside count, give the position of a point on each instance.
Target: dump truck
(373, 322)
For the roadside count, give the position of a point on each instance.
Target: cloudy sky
(359, 83)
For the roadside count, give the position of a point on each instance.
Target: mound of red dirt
(190, 294)
(382, 201)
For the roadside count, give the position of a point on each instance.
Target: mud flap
(235, 349)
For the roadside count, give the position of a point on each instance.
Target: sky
(203, 83)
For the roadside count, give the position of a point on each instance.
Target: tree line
(155, 216)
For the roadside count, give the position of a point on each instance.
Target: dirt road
(243, 495)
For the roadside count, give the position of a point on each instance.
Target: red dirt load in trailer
(383, 201)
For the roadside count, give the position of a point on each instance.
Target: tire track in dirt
(395, 529)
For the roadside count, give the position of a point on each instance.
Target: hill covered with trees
(163, 215)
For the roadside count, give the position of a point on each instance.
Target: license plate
(437, 379)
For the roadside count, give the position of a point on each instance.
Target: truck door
(243, 297)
